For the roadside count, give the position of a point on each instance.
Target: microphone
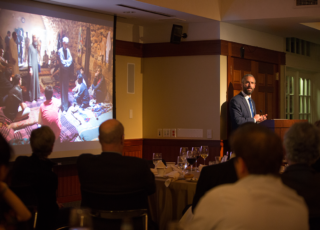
(260, 111)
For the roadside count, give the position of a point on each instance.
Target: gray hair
(245, 77)
(41, 141)
(112, 134)
(302, 143)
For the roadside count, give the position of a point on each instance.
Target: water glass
(156, 158)
(181, 162)
(80, 219)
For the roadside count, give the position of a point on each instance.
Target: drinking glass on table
(191, 158)
(80, 219)
(181, 162)
(183, 149)
(197, 152)
(156, 158)
(204, 153)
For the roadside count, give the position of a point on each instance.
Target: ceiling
(130, 15)
(284, 27)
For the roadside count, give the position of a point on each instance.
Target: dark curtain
(88, 53)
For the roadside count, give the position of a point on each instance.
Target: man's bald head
(111, 132)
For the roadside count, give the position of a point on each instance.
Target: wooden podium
(280, 126)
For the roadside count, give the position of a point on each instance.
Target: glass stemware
(156, 158)
(191, 158)
(204, 153)
(181, 162)
(197, 152)
(80, 219)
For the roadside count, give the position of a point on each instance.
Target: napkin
(160, 165)
(173, 176)
(154, 171)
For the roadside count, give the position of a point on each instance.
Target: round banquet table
(167, 204)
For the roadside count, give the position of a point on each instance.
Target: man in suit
(212, 176)
(110, 181)
(110, 172)
(242, 107)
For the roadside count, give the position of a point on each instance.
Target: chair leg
(146, 221)
(35, 220)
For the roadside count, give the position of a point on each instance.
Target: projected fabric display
(66, 70)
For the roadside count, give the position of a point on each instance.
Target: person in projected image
(99, 86)
(82, 97)
(15, 108)
(65, 71)
(13, 54)
(34, 87)
(49, 113)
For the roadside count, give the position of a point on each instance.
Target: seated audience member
(99, 86)
(45, 60)
(36, 171)
(259, 200)
(302, 145)
(12, 209)
(15, 109)
(49, 113)
(316, 165)
(82, 98)
(5, 85)
(112, 174)
(80, 72)
(212, 176)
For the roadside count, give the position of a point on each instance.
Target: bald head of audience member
(111, 136)
(302, 143)
(258, 150)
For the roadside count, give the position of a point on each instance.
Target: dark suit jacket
(306, 182)
(36, 173)
(112, 173)
(240, 111)
(212, 176)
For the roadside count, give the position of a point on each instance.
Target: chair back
(114, 201)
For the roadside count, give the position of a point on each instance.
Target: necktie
(250, 103)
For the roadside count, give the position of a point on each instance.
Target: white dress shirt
(254, 202)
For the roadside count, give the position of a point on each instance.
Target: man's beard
(245, 90)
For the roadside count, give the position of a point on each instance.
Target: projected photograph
(54, 72)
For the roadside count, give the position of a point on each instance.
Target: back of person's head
(302, 143)
(48, 92)
(5, 151)
(260, 148)
(317, 123)
(111, 132)
(16, 79)
(42, 140)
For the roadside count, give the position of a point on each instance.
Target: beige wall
(125, 101)
(246, 36)
(223, 97)
(181, 92)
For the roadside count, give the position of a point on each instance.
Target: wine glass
(183, 149)
(80, 219)
(181, 161)
(156, 158)
(191, 158)
(204, 153)
(197, 152)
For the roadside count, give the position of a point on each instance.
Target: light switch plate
(209, 133)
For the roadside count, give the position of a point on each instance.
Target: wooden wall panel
(207, 47)
(237, 76)
(270, 106)
(261, 102)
